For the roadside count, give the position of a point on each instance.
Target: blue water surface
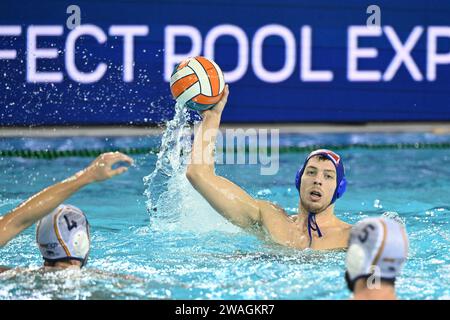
(139, 253)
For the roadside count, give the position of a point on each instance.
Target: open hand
(101, 168)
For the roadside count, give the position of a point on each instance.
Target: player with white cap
(378, 248)
(63, 237)
(52, 235)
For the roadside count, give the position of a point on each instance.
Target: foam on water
(194, 255)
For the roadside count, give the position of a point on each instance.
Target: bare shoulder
(270, 207)
(270, 212)
(343, 233)
(346, 227)
(343, 229)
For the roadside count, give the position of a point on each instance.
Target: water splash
(174, 151)
(173, 204)
(394, 216)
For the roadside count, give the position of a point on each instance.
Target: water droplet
(377, 204)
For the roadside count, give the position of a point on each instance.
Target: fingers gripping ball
(197, 83)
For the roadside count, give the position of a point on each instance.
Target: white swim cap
(377, 246)
(64, 234)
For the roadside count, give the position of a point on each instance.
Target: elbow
(192, 175)
(196, 174)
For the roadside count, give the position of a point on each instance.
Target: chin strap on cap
(312, 225)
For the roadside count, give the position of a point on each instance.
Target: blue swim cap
(341, 182)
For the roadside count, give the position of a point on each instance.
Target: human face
(318, 184)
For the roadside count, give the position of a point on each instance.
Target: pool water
(185, 250)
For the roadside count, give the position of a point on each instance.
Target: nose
(317, 181)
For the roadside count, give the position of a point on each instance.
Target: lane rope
(90, 153)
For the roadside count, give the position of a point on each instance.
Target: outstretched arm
(42, 203)
(224, 196)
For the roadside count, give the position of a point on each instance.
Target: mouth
(315, 195)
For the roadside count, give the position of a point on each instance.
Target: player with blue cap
(320, 182)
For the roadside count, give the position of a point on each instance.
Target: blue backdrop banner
(102, 63)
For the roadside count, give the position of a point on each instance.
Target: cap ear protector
(82, 244)
(340, 172)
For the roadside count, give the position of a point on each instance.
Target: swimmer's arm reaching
(224, 196)
(42, 203)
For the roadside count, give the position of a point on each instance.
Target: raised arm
(224, 196)
(42, 203)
